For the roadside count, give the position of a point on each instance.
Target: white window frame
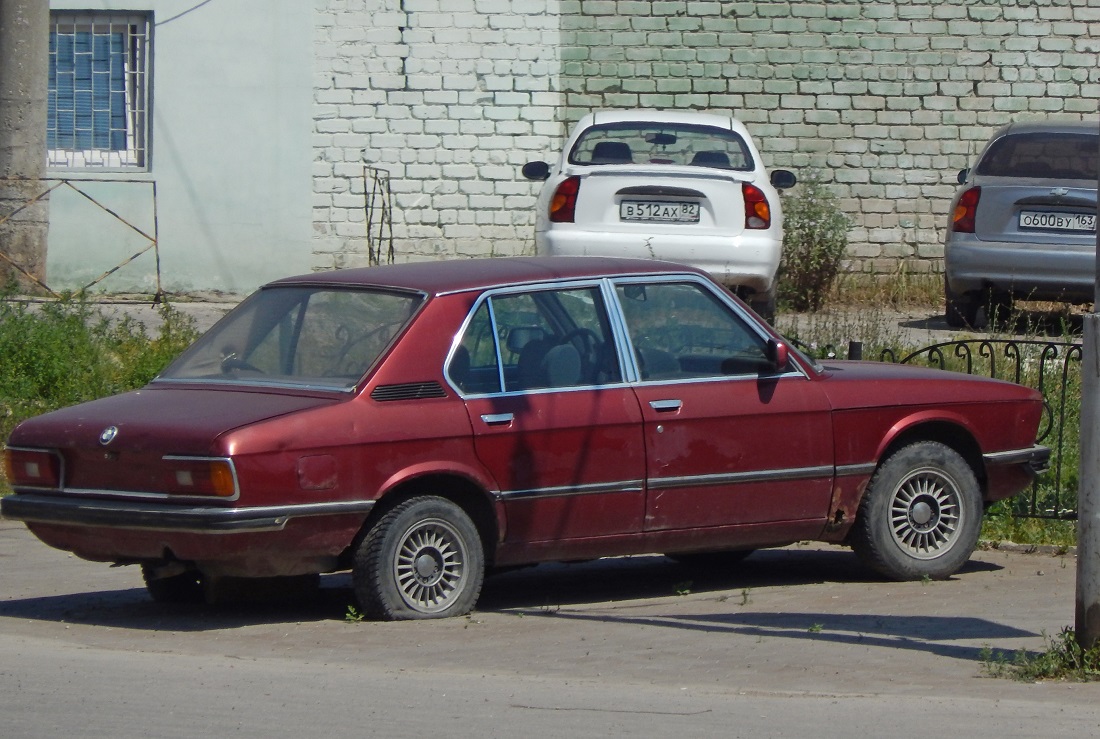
(136, 29)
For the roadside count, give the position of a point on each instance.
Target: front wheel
(423, 559)
(921, 515)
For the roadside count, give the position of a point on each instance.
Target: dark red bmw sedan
(419, 424)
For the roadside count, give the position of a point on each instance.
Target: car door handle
(666, 406)
(497, 419)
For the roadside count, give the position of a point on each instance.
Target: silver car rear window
(1042, 155)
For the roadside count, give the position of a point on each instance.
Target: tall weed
(60, 353)
(815, 238)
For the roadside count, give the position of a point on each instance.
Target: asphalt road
(795, 642)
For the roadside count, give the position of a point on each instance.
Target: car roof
(653, 115)
(1050, 126)
(459, 275)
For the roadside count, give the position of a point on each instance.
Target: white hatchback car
(675, 185)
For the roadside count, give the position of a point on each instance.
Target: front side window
(684, 331)
(298, 336)
(536, 340)
(97, 104)
(662, 143)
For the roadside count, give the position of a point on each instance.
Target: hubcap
(430, 566)
(925, 514)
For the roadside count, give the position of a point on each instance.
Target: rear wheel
(921, 515)
(764, 305)
(185, 587)
(423, 559)
(961, 308)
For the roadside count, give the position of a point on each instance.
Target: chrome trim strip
(855, 470)
(55, 509)
(735, 478)
(568, 491)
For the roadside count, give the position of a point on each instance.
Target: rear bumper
(49, 509)
(1029, 271)
(748, 260)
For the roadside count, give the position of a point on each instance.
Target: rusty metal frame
(68, 182)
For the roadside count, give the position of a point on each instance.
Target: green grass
(55, 354)
(1063, 659)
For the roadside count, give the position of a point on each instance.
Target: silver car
(1023, 224)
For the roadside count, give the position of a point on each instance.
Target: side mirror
(963, 174)
(536, 171)
(779, 354)
(783, 179)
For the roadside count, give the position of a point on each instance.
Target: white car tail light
(758, 214)
(563, 205)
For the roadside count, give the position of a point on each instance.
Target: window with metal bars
(97, 104)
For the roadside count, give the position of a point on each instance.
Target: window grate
(97, 106)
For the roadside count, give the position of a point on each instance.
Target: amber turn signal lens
(200, 476)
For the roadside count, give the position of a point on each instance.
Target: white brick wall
(889, 97)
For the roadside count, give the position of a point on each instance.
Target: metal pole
(24, 72)
(1087, 626)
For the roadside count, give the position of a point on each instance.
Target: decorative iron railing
(1051, 367)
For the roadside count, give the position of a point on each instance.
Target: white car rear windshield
(314, 337)
(1042, 155)
(662, 143)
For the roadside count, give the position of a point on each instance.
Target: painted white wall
(232, 95)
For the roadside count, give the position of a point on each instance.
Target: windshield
(662, 143)
(311, 337)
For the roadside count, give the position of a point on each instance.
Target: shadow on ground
(540, 589)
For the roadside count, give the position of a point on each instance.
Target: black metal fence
(1053, 368)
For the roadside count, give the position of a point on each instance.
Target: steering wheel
(232, 362)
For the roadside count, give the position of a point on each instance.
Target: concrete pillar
(24, 70)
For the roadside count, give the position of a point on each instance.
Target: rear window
(312, 337)
(1042, 155)
(662, 143)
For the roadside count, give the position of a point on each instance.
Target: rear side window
(1042, 155)
(662, 143)
(543, 339)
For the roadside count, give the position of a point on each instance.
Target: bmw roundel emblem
(108, 434)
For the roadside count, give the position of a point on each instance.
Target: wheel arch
(471, 497)
(949, 434)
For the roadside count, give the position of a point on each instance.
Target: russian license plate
(656, 210)
(1058, 221)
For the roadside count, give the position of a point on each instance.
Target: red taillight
(966, 210)
(32, 468)
(200, 476)
(563, 205)
(758, 214)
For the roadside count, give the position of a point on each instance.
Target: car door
(553, 421)
(729, 440)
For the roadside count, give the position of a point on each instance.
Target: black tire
(711, 560)
(186, 587)
(921, 514)
(961, 309)
(423, 559)
(765, 307)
